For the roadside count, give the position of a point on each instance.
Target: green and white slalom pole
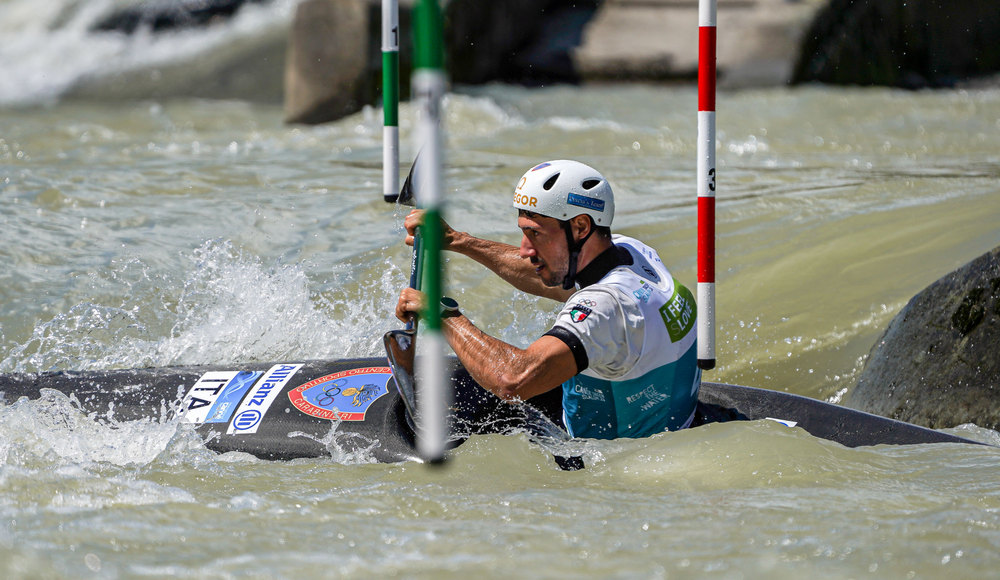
(390, 99)
(706, 183)
(428, 90)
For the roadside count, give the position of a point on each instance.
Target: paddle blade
(400, 348)
(407, 193)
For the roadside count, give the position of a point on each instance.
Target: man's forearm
(511, 373)
(505, 261)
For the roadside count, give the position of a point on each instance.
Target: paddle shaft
(414, 276)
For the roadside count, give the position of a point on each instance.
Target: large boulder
(329, 73)
(938, 362)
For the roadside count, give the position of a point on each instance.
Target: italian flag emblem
(579, 313)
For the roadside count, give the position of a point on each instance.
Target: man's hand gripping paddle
(400, 347)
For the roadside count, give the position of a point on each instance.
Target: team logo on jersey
(679, 313)
(344, 396)
(643, 292)
(588, 393)
(579, 312)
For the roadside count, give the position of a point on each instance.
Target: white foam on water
(53, 426)
(230, 307)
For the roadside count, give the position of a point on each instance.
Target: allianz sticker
(253, 408)
(679, 312)
(214, 397)
(343, 396)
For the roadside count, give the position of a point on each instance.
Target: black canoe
(283, 411)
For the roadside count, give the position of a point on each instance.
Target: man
(623, 346)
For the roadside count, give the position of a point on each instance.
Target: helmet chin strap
(569, 281)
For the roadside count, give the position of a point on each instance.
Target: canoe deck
(281, 411)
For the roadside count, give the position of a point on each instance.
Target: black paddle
(407, 196)
(400, 345)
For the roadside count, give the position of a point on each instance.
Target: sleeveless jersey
(637, 326)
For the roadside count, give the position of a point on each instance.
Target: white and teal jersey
(637, 326)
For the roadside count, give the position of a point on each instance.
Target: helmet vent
(551, 182)
(591, 183)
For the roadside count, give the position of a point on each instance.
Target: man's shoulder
(603, 291)
(623, 240)
(599, 296)
(603, 303)
(636, 247)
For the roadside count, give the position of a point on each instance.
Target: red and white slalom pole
(706, 183)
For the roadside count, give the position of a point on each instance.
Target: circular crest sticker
(343, 396)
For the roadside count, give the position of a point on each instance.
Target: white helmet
(564, 189)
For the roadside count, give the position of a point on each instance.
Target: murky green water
(202, 232)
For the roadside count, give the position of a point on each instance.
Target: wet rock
(938, 362)
(329, 72)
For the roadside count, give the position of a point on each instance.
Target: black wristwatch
(449, 307)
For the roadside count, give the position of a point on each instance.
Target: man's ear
(581, 225)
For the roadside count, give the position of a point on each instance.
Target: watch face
(449, 303)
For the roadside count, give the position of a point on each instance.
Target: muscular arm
(509, 372)
(503, 259)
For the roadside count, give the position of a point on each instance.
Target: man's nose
(527, 250)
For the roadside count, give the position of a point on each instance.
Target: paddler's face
(544, 245)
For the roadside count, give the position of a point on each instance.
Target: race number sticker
(343, 396)
(264, 392)
(215, 396)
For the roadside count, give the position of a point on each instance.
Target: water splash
(230, 307)
(345, 448)
(53, 430)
